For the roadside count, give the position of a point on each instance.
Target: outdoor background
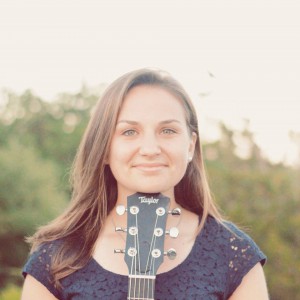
(239, 61)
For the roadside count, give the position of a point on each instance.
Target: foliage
(34, 184)
(11, 292)
(38, 141)
(29, 197)
(264, 199)
(36, 152)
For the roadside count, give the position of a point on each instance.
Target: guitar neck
(141, 287)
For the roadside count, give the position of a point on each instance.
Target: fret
(142, 276)
(140, 298)
(140, 287)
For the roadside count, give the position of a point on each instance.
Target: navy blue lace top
(213, 270)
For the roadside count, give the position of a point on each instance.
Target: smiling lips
(149, 167)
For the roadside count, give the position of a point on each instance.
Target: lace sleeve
(243, 255)
(38, 266)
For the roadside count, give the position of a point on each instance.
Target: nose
(150, 145)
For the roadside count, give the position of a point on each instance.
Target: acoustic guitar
(146, 230)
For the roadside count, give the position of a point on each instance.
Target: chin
(155, 190)
(147, 188)
(149, 191)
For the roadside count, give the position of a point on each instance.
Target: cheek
(119, 153)
(114, 150)
(184, 150)
(180, 158)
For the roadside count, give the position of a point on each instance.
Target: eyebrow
(136, 123)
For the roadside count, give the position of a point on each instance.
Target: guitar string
(152, 268)
(134, 259)
(151, 244)
(150, 250)
(129, 288)
(133, 262)
(138, 251)
(133, 272)
(153, 262)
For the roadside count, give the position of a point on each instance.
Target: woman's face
(151, 145)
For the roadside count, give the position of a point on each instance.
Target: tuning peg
(119, 251)
(121, 229)
(171, 253)
(120, 210)
(175, 212)
(173, 232)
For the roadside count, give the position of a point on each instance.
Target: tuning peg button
(173, 232)
(175, 212)
(171, 253)
(120, 209)
(120, 229)
(119, 251)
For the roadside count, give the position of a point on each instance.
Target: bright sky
(252, 48)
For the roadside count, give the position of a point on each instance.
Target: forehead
(152, 101)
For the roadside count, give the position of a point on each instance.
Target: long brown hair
(94, 187)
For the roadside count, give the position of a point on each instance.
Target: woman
(143, 137)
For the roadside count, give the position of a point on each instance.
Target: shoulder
(229, 237)
(234, 249)
(38, 265)
(228, 242)
(42, 255)
(241, 246)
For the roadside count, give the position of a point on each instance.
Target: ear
(193, 140)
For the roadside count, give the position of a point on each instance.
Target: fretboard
(141, 287)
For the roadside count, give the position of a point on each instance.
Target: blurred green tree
(38, 141)
(53, 129)
(11, 292)
(264, 199)
(29, 196)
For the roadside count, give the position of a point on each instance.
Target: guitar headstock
(146, 229)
